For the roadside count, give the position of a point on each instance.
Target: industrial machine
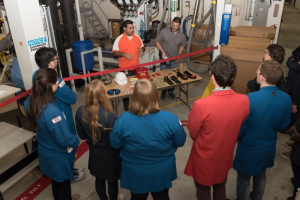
(144, 15)
(138, 11)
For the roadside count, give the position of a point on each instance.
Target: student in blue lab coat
(273, 52)
(148, 138)
(15, 71)
(16, 75)
(270, 111)
(57, 145)
(64, 96)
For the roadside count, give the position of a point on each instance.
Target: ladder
(91, 16)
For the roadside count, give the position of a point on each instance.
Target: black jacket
(295, 154)
(104, 161)
(296, 100)
(294, 70)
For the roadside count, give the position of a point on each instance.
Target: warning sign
(36, 44)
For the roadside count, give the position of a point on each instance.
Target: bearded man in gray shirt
(170, 41)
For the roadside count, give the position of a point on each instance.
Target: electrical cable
(157, 9)
(212, 12)
(162, 17)
(184, 24)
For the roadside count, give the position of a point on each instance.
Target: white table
(9, 90)
(11, 138)
(9, 93)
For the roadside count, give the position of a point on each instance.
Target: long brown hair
(94, 97)
(144, 99)
(42, 94)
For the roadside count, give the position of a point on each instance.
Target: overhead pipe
(169, 13)
(181, 9)
(162, 17)
(52, 4)
(69, 22)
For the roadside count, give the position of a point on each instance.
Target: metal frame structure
(68, 54)
(94, 15)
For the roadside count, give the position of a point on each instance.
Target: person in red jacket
(214, 124)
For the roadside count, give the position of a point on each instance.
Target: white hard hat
(121, 78)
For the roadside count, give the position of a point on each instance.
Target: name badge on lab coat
(56, 119)
(62, 84)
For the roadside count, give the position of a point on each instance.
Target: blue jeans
(163, 66)
(243, 186)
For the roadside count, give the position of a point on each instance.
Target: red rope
(109, 71)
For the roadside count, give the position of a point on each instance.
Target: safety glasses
(113, 91)
(57, 58)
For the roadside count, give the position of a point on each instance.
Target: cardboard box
(195, 46)
(202, 30)
(246, 45)
(248, 58)
(254, 39)
(252, 55)
(246, 72)
(250, 43)
(254, 31)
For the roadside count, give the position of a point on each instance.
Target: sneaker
(75, 196)
(78, 169)
(121, 197)
(290, 198)
(293, 180)
(78, 177)
(172, 96)
(163, 95)
(288, 144)
(285, 155)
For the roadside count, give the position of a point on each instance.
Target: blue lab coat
(270, 111)
(54, 138)
(64, 98)
(148, 145)
(16, 75)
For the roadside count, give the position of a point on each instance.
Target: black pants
(126, 100)
(296, 172)
(162, 195)
(61, 190)
(203, 191)
(113, 189)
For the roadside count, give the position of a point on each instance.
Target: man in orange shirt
(127, 47)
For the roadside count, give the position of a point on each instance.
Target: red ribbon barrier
(136, 66)
(110, 71)
(5, 103)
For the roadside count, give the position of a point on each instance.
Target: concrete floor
(278, 178)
